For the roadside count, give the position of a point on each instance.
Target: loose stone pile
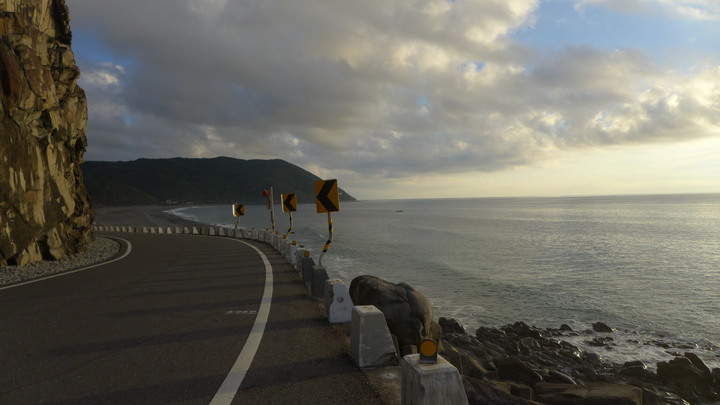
(98, 250)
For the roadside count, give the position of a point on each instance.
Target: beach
(149, 215)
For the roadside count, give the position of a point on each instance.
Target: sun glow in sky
(413, 99)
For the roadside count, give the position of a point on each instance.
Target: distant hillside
(220, 180)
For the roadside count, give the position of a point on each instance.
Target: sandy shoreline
(150, 215)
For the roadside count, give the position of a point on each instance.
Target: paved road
(166, 324)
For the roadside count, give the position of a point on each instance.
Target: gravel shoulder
(99, 250)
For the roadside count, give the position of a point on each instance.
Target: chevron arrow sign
(289, 202)
(327, 198)
(238, 210)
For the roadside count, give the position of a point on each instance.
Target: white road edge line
(65, 273)
(231, 385)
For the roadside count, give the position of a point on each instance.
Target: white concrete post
(338, 304)
(371, 344)
(299, 255)
(292, 253)
(430, 384)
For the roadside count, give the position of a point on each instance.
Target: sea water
(648, 266)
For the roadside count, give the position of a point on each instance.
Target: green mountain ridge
(220, 180)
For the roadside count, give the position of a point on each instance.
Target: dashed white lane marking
(241, 312)
(231, 385)
(37, 280)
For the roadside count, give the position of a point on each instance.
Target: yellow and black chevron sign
(238, 210)
(327, 198)
(289, 202)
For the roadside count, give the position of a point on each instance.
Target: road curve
(165, 325)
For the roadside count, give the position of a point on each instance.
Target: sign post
(271, 207)
(327, 199)
(238, 211)
(289, 205)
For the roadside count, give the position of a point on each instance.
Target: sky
(414, 98)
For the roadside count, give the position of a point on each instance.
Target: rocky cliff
(45, 212)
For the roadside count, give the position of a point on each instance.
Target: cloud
(706, 10)
(370, 89)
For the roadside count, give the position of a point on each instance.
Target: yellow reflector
(428, 351)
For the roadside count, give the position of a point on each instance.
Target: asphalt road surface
(167, 324)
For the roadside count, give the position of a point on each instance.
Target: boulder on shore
(407, 312)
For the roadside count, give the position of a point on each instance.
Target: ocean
(648, 266)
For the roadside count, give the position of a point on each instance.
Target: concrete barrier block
(195, 230)
(145, 229)
(212, 231)
(338, 304)
(299, 255)
(186, 229)
(429, 384)
(292, 253)
(160, 230)
(371, 344)
(177, 230)
(168, 230)
(319, 277)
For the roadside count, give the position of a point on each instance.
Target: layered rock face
(45, 212)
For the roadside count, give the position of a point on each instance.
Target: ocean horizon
(646, 265)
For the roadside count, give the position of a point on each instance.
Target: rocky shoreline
(519, 363)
